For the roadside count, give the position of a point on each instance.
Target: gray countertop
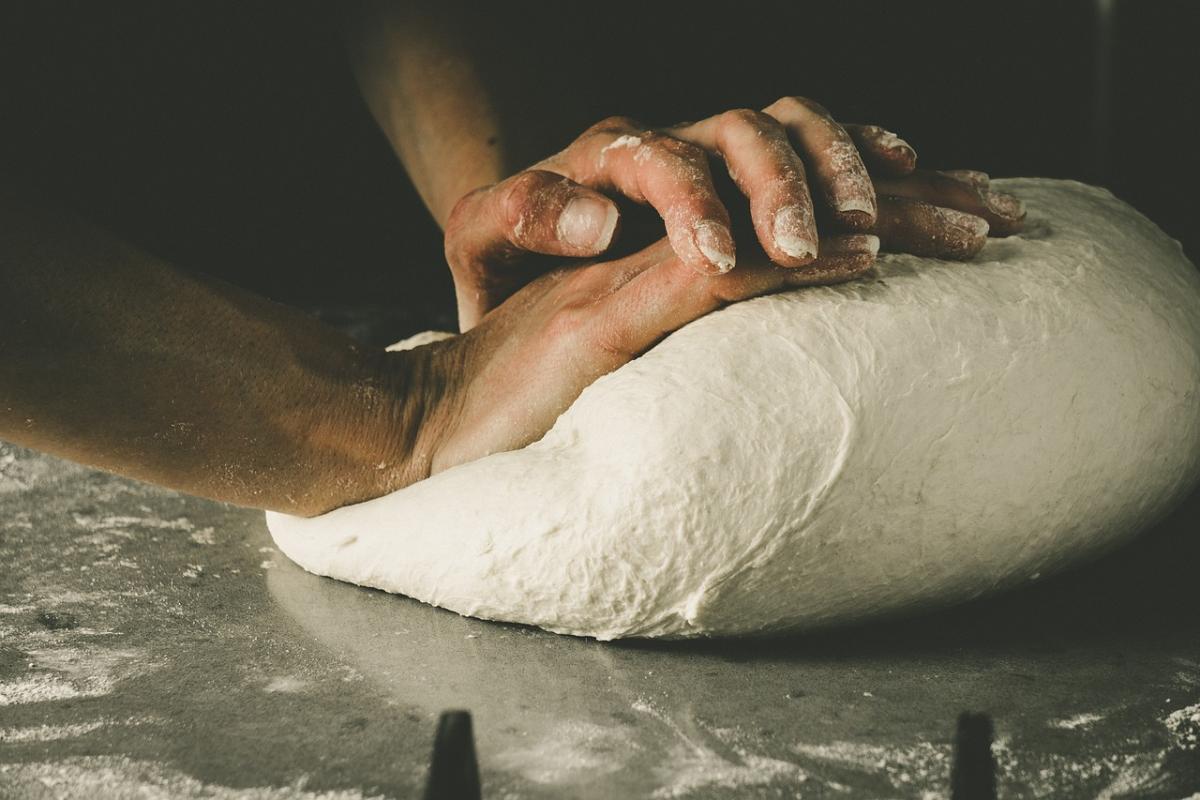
(153, 644)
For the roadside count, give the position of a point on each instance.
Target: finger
(923, 229)
(666, 296)
(832, 159)
(882, 150)
(536, 212)
(490, 229)
(843, 258)
(766, 168)
(1004, 213)
(669, 174)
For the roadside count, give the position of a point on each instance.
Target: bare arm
(421, 80)
(111, 357)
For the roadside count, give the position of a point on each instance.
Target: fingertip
(715, 244)
(794, 234)
(866, 243)
(1004, 205)
(966, 234)
(905, 163)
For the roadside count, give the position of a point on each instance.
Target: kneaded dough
(938, 432)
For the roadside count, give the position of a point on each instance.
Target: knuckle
(520, 195)
(569, 323)
(749, 118)
(464, 209)
(614, 124)
(611, 337)
(797, 105)
(461, 218)
(671, 147)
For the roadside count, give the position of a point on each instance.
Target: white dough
(941, 431)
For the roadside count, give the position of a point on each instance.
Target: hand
(563, 206)
(502, 385)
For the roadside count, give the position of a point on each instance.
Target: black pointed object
(454, 770)
(973, 776)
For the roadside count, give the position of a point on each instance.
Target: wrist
(402, 412)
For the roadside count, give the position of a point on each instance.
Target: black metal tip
(973, 776)
(454, 770)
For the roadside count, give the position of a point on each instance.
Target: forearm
(112, 358)
(416, 71)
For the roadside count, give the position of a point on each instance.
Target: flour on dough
(937, 432)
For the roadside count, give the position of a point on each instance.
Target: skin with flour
(192, 384)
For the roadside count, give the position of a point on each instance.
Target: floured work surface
(157, 645)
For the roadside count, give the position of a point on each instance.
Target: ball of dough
(935, 433)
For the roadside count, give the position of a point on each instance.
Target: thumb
(535, 212)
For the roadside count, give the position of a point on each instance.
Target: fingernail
(715, 242)
(868, 243)
(854, 244)
(587, 224)
(1004, 204)
(856, 204)
(792, 232)
(891, 141)
(968, 224)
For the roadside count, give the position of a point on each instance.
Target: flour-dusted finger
(768, 171)
(913, 226)
(964, 192)
(832, 158)
(535, 211)
(883, 151)
(843, 258)
(652, 302)
(532, 212)
(669, 174)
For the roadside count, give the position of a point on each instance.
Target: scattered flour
(22, 609)
(203, 536)
(69, 672)
(123, 522)
(118, 777)
(38, 689)
(920, 764)
(49, 733)
(692, 769)
(1136, 778)
(1184, 727)
(286, 684)
(694, 766)
(54, 733)
(1076, 722)
(572, 752)
(924, 767)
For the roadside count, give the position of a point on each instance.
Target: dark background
(230, 137)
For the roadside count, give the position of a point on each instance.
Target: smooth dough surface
(827, 455)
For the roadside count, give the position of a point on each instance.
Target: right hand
(793, 163)
(502, 385)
